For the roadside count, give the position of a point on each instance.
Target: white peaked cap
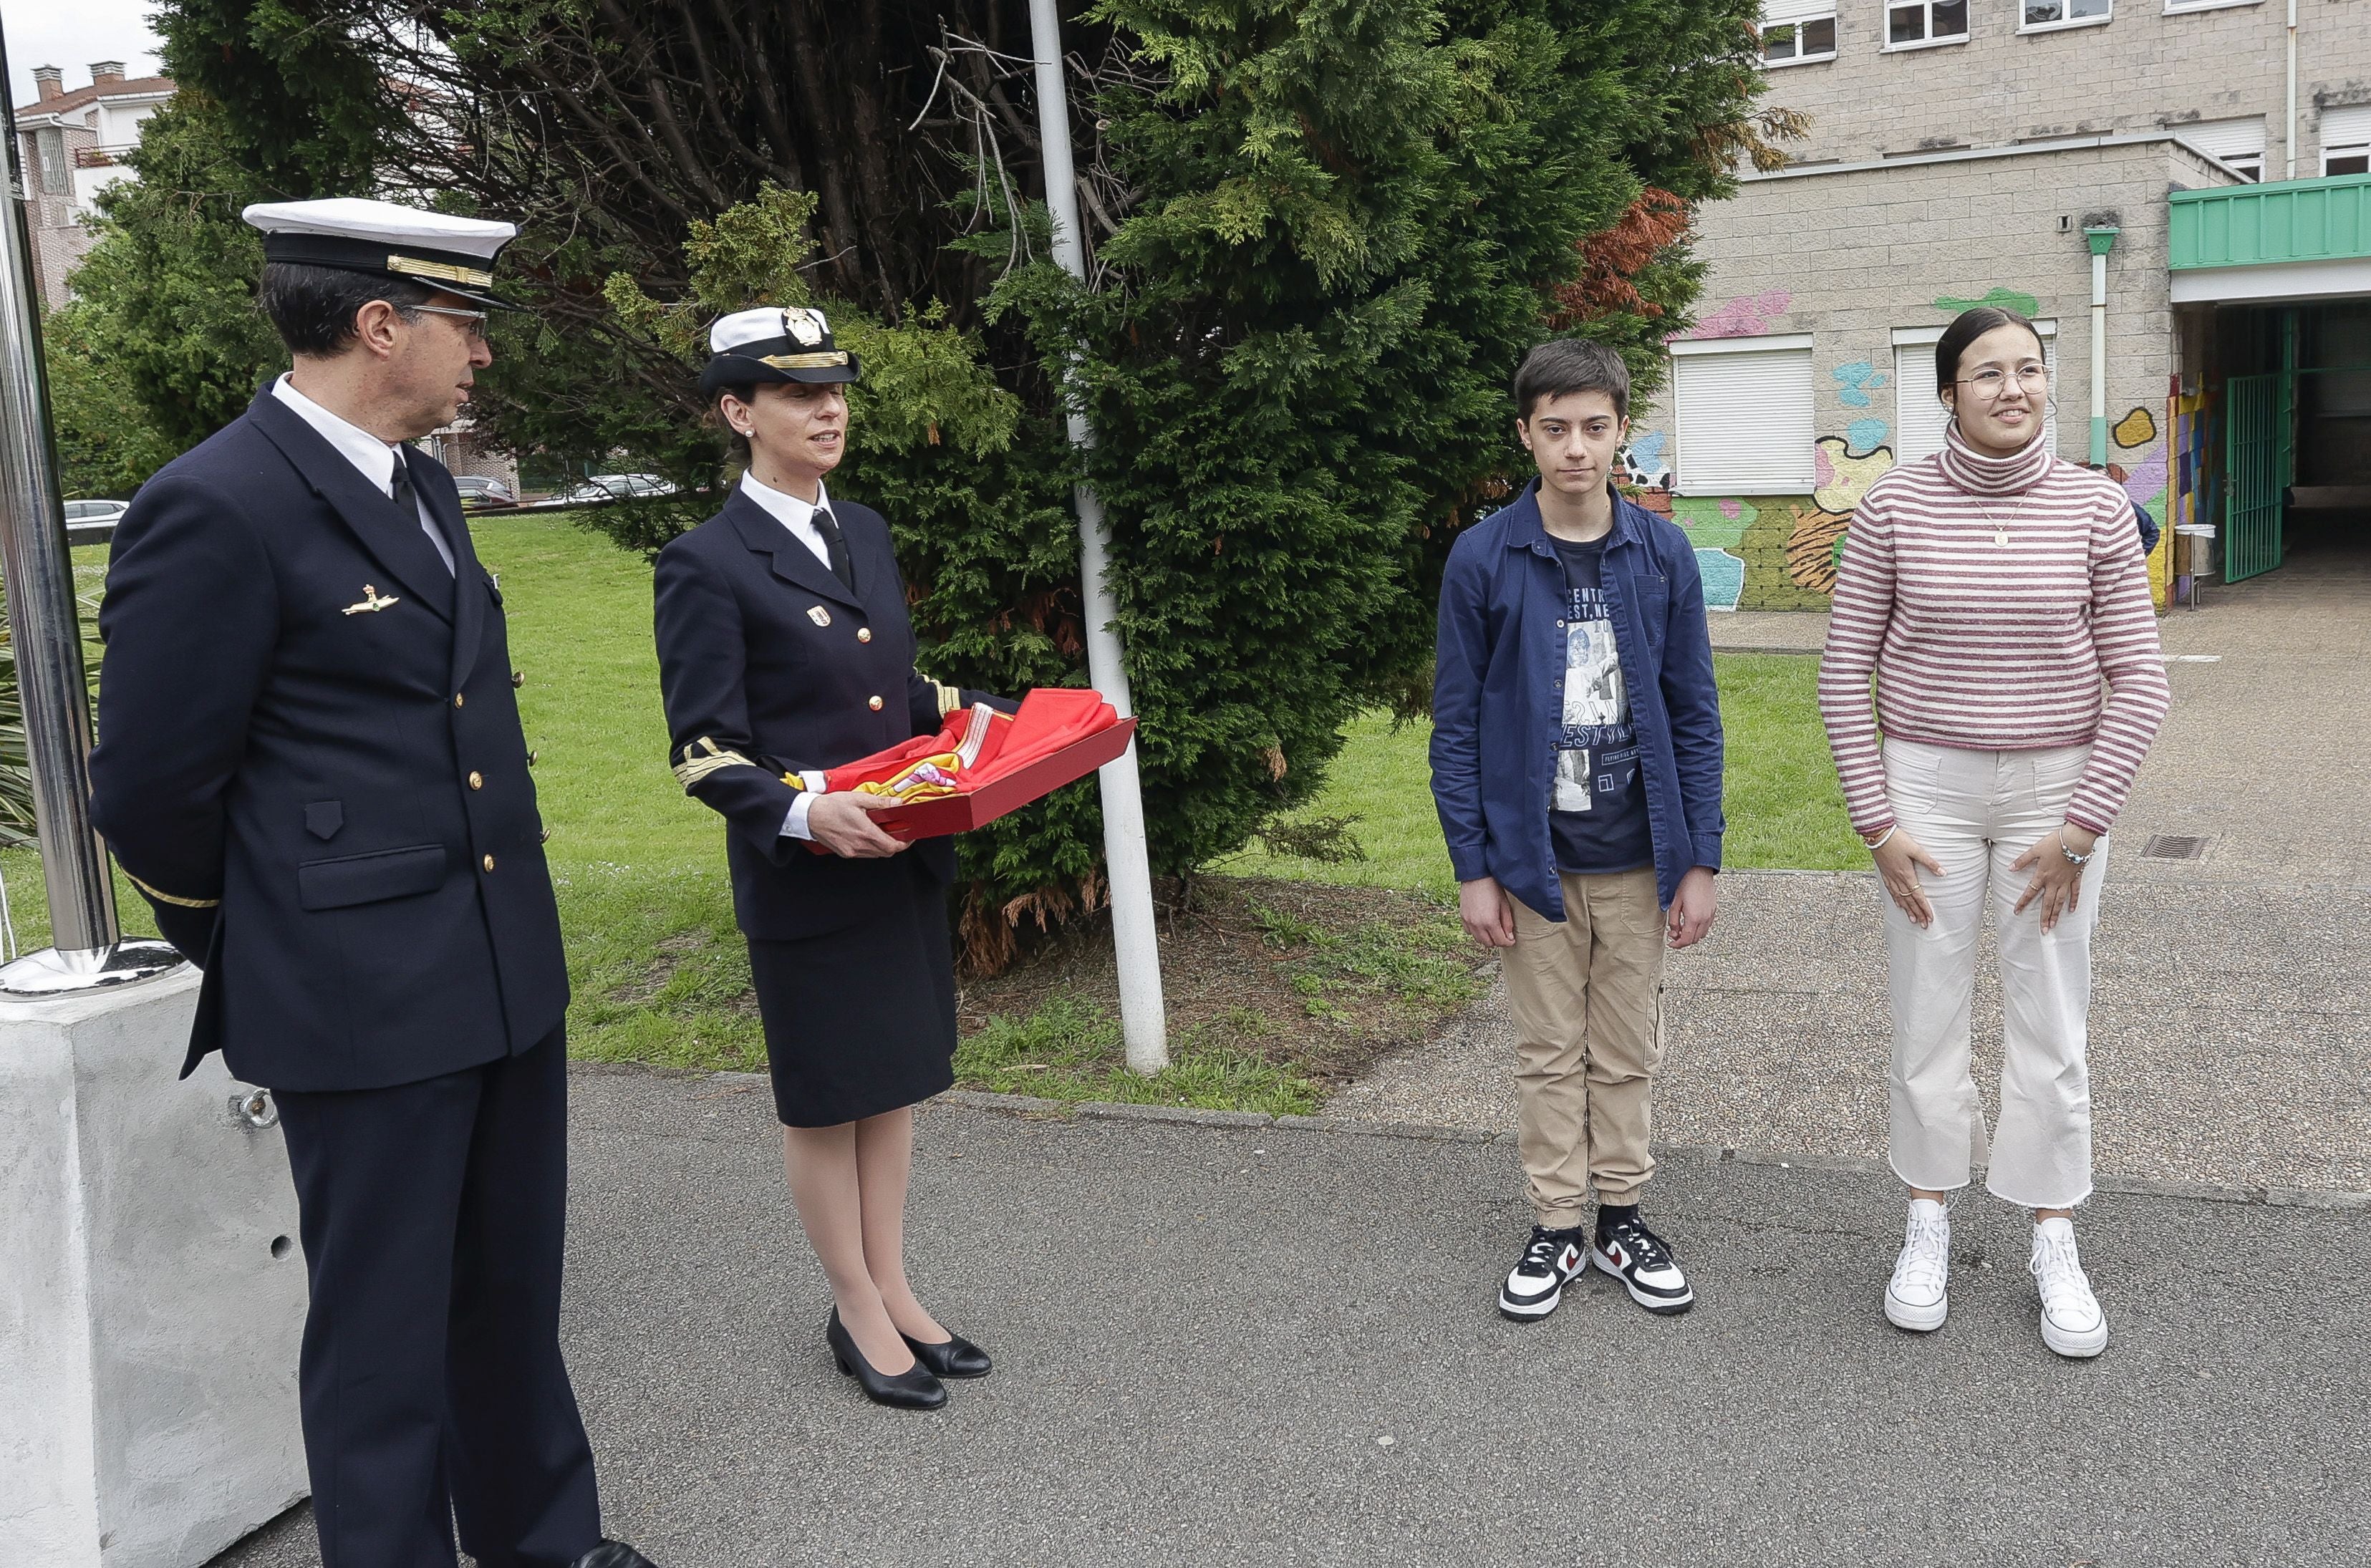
(382, 223)
(765, 325)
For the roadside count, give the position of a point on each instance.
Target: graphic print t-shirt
(1597, 819)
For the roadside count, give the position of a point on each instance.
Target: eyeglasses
(475, 320)
(1991, 384)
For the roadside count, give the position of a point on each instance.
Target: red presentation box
(960, 814)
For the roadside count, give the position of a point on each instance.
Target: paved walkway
(1264, 1345)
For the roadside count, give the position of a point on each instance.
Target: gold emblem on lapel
(818, 614)
(371, 601)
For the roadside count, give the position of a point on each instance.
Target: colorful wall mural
(2005, 299)
(1747, 315)
(1855, 381)
(1780, 552)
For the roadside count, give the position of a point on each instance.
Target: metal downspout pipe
(2102, 239)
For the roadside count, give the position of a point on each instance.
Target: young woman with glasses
(1989, 590)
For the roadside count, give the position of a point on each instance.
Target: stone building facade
(71, 146)
(1966, 152)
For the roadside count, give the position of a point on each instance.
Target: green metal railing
(2326, 219)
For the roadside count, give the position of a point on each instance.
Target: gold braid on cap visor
(805, 362)
(439, 272)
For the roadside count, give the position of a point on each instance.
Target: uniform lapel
(393, 539)
(469, 593)
(793, 562)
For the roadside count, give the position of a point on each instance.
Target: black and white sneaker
(1642, 1261)
(1551, 1259)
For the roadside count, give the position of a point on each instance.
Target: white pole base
(152, 1293)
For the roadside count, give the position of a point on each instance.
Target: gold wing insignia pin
(818, 614)
(371, 601)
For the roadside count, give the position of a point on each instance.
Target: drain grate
(2172, 847)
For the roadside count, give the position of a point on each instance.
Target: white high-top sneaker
(1915, 1297)
(2072, 1322)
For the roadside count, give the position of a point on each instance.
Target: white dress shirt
(374, 458)
(798, 516)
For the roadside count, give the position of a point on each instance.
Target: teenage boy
(1576, 763)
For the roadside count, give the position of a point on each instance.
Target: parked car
(602, 488)
(93, 521)
(480, 493)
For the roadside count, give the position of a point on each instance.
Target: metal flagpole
(1142, 1020)
(43, 624)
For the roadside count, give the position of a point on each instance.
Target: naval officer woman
(784, 650)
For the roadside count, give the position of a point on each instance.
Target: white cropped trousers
(1976, 811)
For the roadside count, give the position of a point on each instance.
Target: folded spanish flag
(978, 747)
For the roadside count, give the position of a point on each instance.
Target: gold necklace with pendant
(2000, 529)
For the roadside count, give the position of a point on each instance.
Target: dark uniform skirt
(862, 1019)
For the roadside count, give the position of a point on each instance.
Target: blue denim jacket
(1497, 696)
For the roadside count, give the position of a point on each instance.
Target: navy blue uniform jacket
(771, 667)
(328, 805)
(1497, 696)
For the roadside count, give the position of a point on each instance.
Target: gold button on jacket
(874, 703)
(490, 862)
(863, 634)
(477, 780)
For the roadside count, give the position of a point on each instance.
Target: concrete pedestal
(152, 1292)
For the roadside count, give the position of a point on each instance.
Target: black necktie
(835, 547)
(407, 500)
(405, 497)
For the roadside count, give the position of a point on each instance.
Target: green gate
(2261, 465)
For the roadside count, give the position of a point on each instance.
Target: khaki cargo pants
(1588, 1002)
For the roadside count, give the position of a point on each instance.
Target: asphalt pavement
(1263, 1343)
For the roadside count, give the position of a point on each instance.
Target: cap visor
(490, 302)
(740, 370)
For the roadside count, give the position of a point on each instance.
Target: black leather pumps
(914, 1389)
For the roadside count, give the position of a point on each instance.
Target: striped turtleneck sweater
(1990, 596)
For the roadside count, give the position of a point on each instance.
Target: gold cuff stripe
(440, 272)
(168, 898)
(805, 362)
(950, 698)
(692, 769)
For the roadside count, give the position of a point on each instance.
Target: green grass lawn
(660, 973)
(1785, 808)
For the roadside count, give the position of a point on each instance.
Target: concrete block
(152, 1293)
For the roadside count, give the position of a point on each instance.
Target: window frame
(1932, 40)
(2184, 7)
(2353, 133)
(2065, 22)
(2238, 162)
(1798, 24)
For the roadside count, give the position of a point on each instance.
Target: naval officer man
(310, 762)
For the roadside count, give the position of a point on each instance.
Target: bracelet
(2072, 858)
(1873, 846)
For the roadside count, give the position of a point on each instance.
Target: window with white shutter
(1919, 415)
(2346, 140)
(1742, 408)
(2238, 143)
(1797, 32)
